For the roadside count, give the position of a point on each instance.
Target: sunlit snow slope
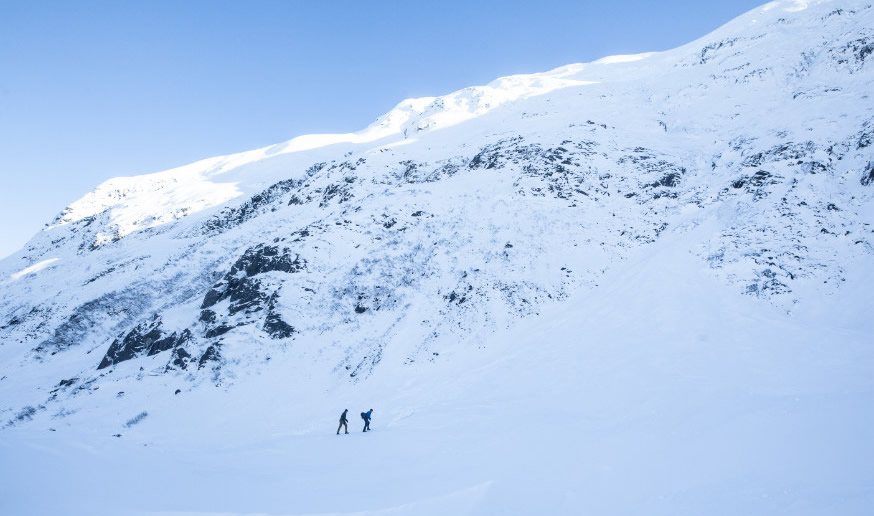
(640, 285)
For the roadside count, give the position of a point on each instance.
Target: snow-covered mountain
(686, 233)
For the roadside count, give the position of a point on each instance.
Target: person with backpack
(343, 422)
(366, 417)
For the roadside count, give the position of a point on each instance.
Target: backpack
(364, 416)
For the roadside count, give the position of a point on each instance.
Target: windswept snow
(33, 269)
(142, 202)
(628, 58)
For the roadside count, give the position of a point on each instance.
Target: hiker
(343, 422)
(366, 417)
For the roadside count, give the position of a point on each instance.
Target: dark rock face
(239, 284)
(67, 383)
(868, 175)
(789, 151)
(277, 328)
(15, 321)
(247, 294)
(234, 216)
(670, 180)
(211, 354)
(266, 258)
(866, 136)
(147, 338)
(273, 324)
(217, 331)
(285, 192)
(180, 359)
(757, 184)
(339, 193)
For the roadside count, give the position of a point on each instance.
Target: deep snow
(635, 286)
(623, 401)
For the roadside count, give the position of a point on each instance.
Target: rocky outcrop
(148, 338)
(868, 174)
(246, 292)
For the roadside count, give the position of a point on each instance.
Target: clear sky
(93, 90)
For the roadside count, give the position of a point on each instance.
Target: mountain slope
(636, 248)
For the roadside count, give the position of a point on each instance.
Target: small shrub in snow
(136, 419)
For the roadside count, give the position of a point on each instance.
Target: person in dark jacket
(343, 422)
(366, 417)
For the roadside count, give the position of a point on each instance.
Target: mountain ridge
(408, 111)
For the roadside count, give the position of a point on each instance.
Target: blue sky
(93, 90)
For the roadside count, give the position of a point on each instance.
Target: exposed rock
(247, 294)
(212, 354)
(238, 285)
(179, 359)
(273, 323)
(868, 175)
(147, 338)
